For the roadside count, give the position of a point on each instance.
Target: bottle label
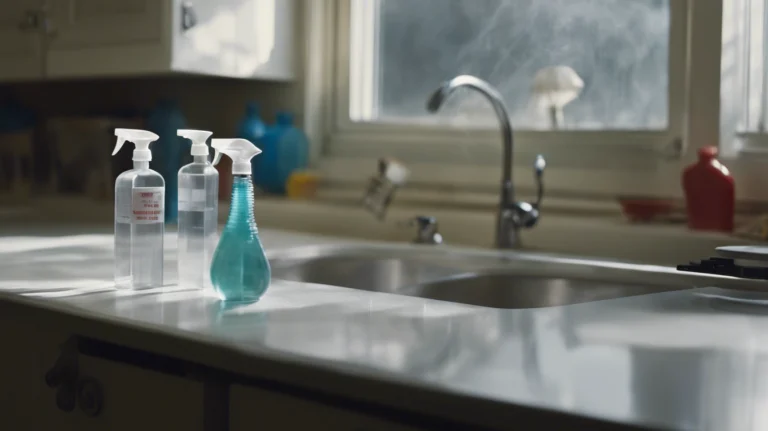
(192, 199)
(147, 205)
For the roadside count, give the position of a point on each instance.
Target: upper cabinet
(106, 37)
(237, 38)
(95, 38)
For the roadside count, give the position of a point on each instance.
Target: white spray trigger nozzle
(198, 138)
(140, 138)
(118, 145)
(241, 151)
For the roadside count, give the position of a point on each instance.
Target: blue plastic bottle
(251, 127)
(170, 152)
(292, 150)
(285, 149)
(240, 271)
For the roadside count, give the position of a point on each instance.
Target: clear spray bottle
(198, 213)
(139, 216)
(240, 270)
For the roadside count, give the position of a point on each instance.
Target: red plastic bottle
(709, 193)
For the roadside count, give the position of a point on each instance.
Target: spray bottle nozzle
(140, 138)
(198, 138)
(120, 142)
(241, 151)
(216, 157)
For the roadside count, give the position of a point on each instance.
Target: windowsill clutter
(590, 229)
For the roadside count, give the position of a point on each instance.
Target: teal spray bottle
(240, 270)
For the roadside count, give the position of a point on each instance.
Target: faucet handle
(427, 229)
(524, 214)
(391, 174)
(538, 173)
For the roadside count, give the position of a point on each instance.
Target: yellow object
(755, 229)
(302, 185)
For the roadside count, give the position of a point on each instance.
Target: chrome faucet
(512, 216)
(427, 232)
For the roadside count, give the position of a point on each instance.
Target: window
(623, 133)
(744, 76)
(618, 48)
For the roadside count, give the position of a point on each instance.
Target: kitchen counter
(679, 360)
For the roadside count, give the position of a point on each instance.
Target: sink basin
(382, 273)
(503, 290)
(499, 279)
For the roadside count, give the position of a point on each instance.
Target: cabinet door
(268, 410)
(132, 398)
(235, 38)
(137, 399)
(103, 37)
(20, 40)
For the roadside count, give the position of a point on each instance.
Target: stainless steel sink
(486, 278)
(382, 273)
(503, 290)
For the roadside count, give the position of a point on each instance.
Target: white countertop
(679, 360)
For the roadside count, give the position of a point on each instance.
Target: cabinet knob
(90, 396)
(65, 369)
(63, 376)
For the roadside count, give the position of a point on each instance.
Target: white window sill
(607, 236)
(600, 232)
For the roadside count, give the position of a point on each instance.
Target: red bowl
(645, 209)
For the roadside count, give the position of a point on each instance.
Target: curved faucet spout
(511, 216)
(440, 95)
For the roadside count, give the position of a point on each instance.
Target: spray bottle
(139, 216)
(240, 270)
(198, 213)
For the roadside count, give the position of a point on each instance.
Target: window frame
(740, 140)
(586, 162)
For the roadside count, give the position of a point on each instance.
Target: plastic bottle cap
(140, 138)
(198, 138)
(708, 153)
(241, 151)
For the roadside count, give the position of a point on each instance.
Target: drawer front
(108, 396)
(139, 399)
(252, 408)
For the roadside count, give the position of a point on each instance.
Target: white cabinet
(238, 38)
(95, 38)
(20, 43)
